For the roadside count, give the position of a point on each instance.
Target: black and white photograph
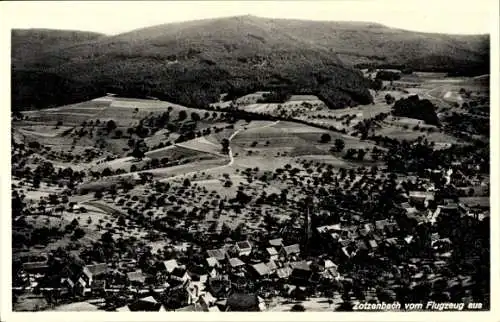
(249, 156)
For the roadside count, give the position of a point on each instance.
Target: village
(402, 242)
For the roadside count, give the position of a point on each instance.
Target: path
(230, 154)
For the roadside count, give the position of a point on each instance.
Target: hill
(27, 44)
(192, 63)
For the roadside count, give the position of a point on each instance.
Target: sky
(113, 17)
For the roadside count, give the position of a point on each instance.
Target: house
(450, 209)
(272, 253)
(80, 287)
(35, 267)
(213, 272)
(219, 254)
(194, 291)
(68, 283)
(212, 262)
(180, 274)
(328, 228)
(98, 287)
(136, 278)
(421, 198)
(284, 272)
(242, 302)
(380, 224)
(236, 263)
(330, 273)
(278, 242)
(90, 272)
(329, 264)
(289, 251)
(218, 286)
(301, 272)
(361, 245)
(373, 244)
(272, 266)
(243, 248)
(261, 270)
(148, 304)
(170, 265)
(208, 299)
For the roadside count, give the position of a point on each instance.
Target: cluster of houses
(223, 287)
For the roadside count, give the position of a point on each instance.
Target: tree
(186, 183)
(195, 117)
(339, 144)
(361, 154)
(298, 308)
(106, 172)
(350, 154)
(182, 115)
(140, 149)
(121, 221)
(225, 146)
(36, 181)
(325, 138)
(98, 194)
(78, 233)
(155, 163)
(110, 125)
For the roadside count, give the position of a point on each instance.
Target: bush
(325, 138)
(388, 75)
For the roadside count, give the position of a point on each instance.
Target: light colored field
(400, 133)
(203, 145)
(303, 98)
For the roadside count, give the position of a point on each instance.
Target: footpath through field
(230, 154)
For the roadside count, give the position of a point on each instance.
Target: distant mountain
(27, 44)
(193, 62)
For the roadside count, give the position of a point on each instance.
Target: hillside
(192, 63)
(27, 44)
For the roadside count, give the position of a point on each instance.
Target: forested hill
(191, 63)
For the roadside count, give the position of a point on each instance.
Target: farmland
(134, 182)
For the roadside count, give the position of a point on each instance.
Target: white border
(5, 304)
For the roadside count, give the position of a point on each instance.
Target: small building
(261, 270)
(243, 248)
(212, 262)
(219, 254)
(272, 266)
(136, 278)
(277, 242)
(421, 198)
(170, 265)
(91, 272)
(180, 274)
(272, 253)
(236, 263)
(284, 272)
(289, 251)
(147, 304)
(35, 267)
